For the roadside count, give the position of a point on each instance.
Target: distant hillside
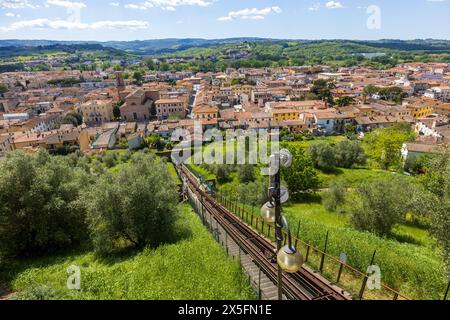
(165, 46)
(27, 50)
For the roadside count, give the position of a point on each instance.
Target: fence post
(341, 267)
(226, 242)
(259, 284)
(298, 234)
(308, 247)
(366, 277)
(322, 261)
(217, 231)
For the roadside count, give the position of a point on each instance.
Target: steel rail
(304, 285)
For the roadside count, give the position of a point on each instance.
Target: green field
(195, 267)
(352, 177)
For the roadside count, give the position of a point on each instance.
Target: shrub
(349, 154)
(378, 205)
(246, 173)
(300, 177)
(110, 159)
(335, 196)
(253, 193)
(323, 156)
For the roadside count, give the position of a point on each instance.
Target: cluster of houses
(34, 109)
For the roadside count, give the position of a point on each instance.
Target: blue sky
(296, 19)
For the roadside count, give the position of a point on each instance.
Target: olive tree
(323, 156)
(377, 205)
(39, 207)
(136, 206)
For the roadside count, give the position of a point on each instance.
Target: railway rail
(303, 285)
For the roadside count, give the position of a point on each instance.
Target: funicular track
(303, 285)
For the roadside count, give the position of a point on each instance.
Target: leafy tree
(110, 159)
(253, 193)
(154, 141)
(73, 118)
(300, 177)
(246, 173)
(137, 206)
(369, 91)
(437, 204)
(138, 77)
(116, 110)
(321, 88)
(150, 64)
(384, 145)
(349, 153)
(222, 172)
(344, 101)
(323, 156)
(377, 205)
(395, 94)
(335, 196)
(39, 209)
(416, 165)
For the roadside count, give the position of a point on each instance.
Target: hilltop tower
(120, 82)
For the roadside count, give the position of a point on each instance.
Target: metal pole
(366, 277)
(278, 227)
(322, 261)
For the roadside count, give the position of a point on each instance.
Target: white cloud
(169, 5)
(66, 4)
(334, 5)
(250, 14)
(70, 25)
(12, 15)
(16, 4)
(114, 4)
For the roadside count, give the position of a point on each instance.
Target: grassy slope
(414, 268)
(193, 268)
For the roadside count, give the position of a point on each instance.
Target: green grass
(412, 266)
(195, 268)
(199, 171)
(352, 177)
(173, 172)
(316, 212)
